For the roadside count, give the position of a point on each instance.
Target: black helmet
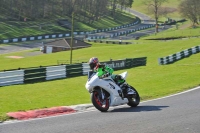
(93, 62)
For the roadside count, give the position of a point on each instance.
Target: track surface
(176, 114)
(19, 47)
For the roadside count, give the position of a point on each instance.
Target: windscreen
(91, 74)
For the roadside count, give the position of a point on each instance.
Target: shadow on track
(139, 109)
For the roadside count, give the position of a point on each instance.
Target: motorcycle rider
(104, 71)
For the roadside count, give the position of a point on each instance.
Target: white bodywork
(109, 85)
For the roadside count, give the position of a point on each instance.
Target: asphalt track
(174, 114)
(19, 47)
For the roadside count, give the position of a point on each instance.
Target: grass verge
(185, 32)
(12, 29)
(171, 6)
(151, 81)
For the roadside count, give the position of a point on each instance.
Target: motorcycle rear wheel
(100, 104)
(134, 100)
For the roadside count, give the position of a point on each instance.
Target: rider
(104, 71)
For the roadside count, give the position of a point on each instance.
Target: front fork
(102, 94)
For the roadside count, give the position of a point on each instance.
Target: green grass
(181, 32)
(122, 18)
(12, 29)
(151, 81)
(139, 6)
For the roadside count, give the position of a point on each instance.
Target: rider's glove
(105, 75)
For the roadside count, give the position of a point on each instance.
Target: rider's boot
(126, 87)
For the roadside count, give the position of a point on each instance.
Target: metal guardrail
(41, 74)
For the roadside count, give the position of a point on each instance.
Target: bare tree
(164, 11)
(154, 6)
(190, 9)
(114, 6)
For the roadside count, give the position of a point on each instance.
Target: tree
(86, 10)
(125, 3)
(190, 9)
(114, 6)
(155, 5)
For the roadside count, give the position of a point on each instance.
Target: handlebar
(105, 75)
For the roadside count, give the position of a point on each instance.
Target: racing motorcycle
(105, 92)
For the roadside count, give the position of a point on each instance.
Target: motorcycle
(104, 92)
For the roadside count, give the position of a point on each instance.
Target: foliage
(36, 9)
(177, 33)
(12, 29)
(190, 9)
(155, 5)
(170, 9)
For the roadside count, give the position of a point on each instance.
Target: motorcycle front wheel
(100, 104)
(134, 100)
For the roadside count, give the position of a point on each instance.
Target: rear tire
(100, 104)
(133, 100)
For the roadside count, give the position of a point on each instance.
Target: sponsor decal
(115, 64)
(112, 86)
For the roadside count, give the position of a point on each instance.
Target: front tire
(100, 104)
(133, 100)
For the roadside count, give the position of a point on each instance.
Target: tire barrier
(11, 77)
(56, 72)
(41, 74)
(178, 56)
(109, 42)
(95, 37)
(34, 75)
(61, 35)
(131, 31)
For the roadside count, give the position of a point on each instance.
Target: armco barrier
(178, 56)
(40, 74)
